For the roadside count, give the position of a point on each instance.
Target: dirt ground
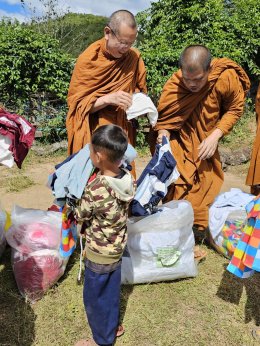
(39, 195)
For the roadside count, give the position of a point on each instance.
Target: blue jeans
(101, 295)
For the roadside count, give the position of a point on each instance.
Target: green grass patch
(214, 308)
(18, 183)
(243, 133)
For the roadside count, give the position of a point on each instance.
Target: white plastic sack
(156, 241)
(35, 237)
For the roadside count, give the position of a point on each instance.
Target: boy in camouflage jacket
(103, 210)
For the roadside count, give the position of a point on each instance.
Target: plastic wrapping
(35, 237)
(160, 246)
(36, 272)
(2, 231)
(226, 241)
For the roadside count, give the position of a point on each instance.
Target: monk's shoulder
(91, 52)
(135, 53)
(227, 82)
(228, 74)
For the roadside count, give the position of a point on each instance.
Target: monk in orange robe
(105, 76)
(199, 104)
(253, 177)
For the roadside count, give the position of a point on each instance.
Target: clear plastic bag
(2, 231)
(35, 237)
(33, 230)
(160, 246)
(36, 272)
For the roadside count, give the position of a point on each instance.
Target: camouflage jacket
(104, 210)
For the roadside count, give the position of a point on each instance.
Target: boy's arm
(83, 212)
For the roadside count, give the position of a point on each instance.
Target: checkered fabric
(246, 258)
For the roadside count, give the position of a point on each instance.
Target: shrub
(31, 63)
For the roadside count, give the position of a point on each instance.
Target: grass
(18, 183)
(16, 180)
(214, 308)
(243, 133)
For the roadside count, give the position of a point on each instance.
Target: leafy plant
(31, 63)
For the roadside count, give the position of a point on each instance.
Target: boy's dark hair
(112, 140)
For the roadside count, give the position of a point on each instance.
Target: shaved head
(195, 58)
(119, 17)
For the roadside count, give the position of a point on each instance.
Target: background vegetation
(37, 57)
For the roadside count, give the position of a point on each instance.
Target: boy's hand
(162, 133)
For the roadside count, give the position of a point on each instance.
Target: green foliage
(228, 28)
(78, 31)
(141, 139)
(31, 63)
(73, 31)
(51, 121)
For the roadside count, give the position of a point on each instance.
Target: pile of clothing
(35, 240)
(154, 181)
(227, 218)
(16, 138)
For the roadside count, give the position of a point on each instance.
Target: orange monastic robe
(253, 177)
(191, 117)
(96, 74)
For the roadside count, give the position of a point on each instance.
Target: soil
(39, 195)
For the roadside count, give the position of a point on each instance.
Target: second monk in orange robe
(199, 104)
(105, 76)
(253, 177)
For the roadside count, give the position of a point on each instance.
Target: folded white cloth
(235, 198)
(141, 105)
(6, 156)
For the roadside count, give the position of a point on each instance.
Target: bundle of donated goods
(160, 246)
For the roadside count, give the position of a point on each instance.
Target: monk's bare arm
(120, 98)
(208, 147)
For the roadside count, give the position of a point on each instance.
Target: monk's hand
(208, 147)
(120, 98)
(162, 133)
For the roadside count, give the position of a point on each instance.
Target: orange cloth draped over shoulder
(96, 74)
(190, 118)
(253, 177)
